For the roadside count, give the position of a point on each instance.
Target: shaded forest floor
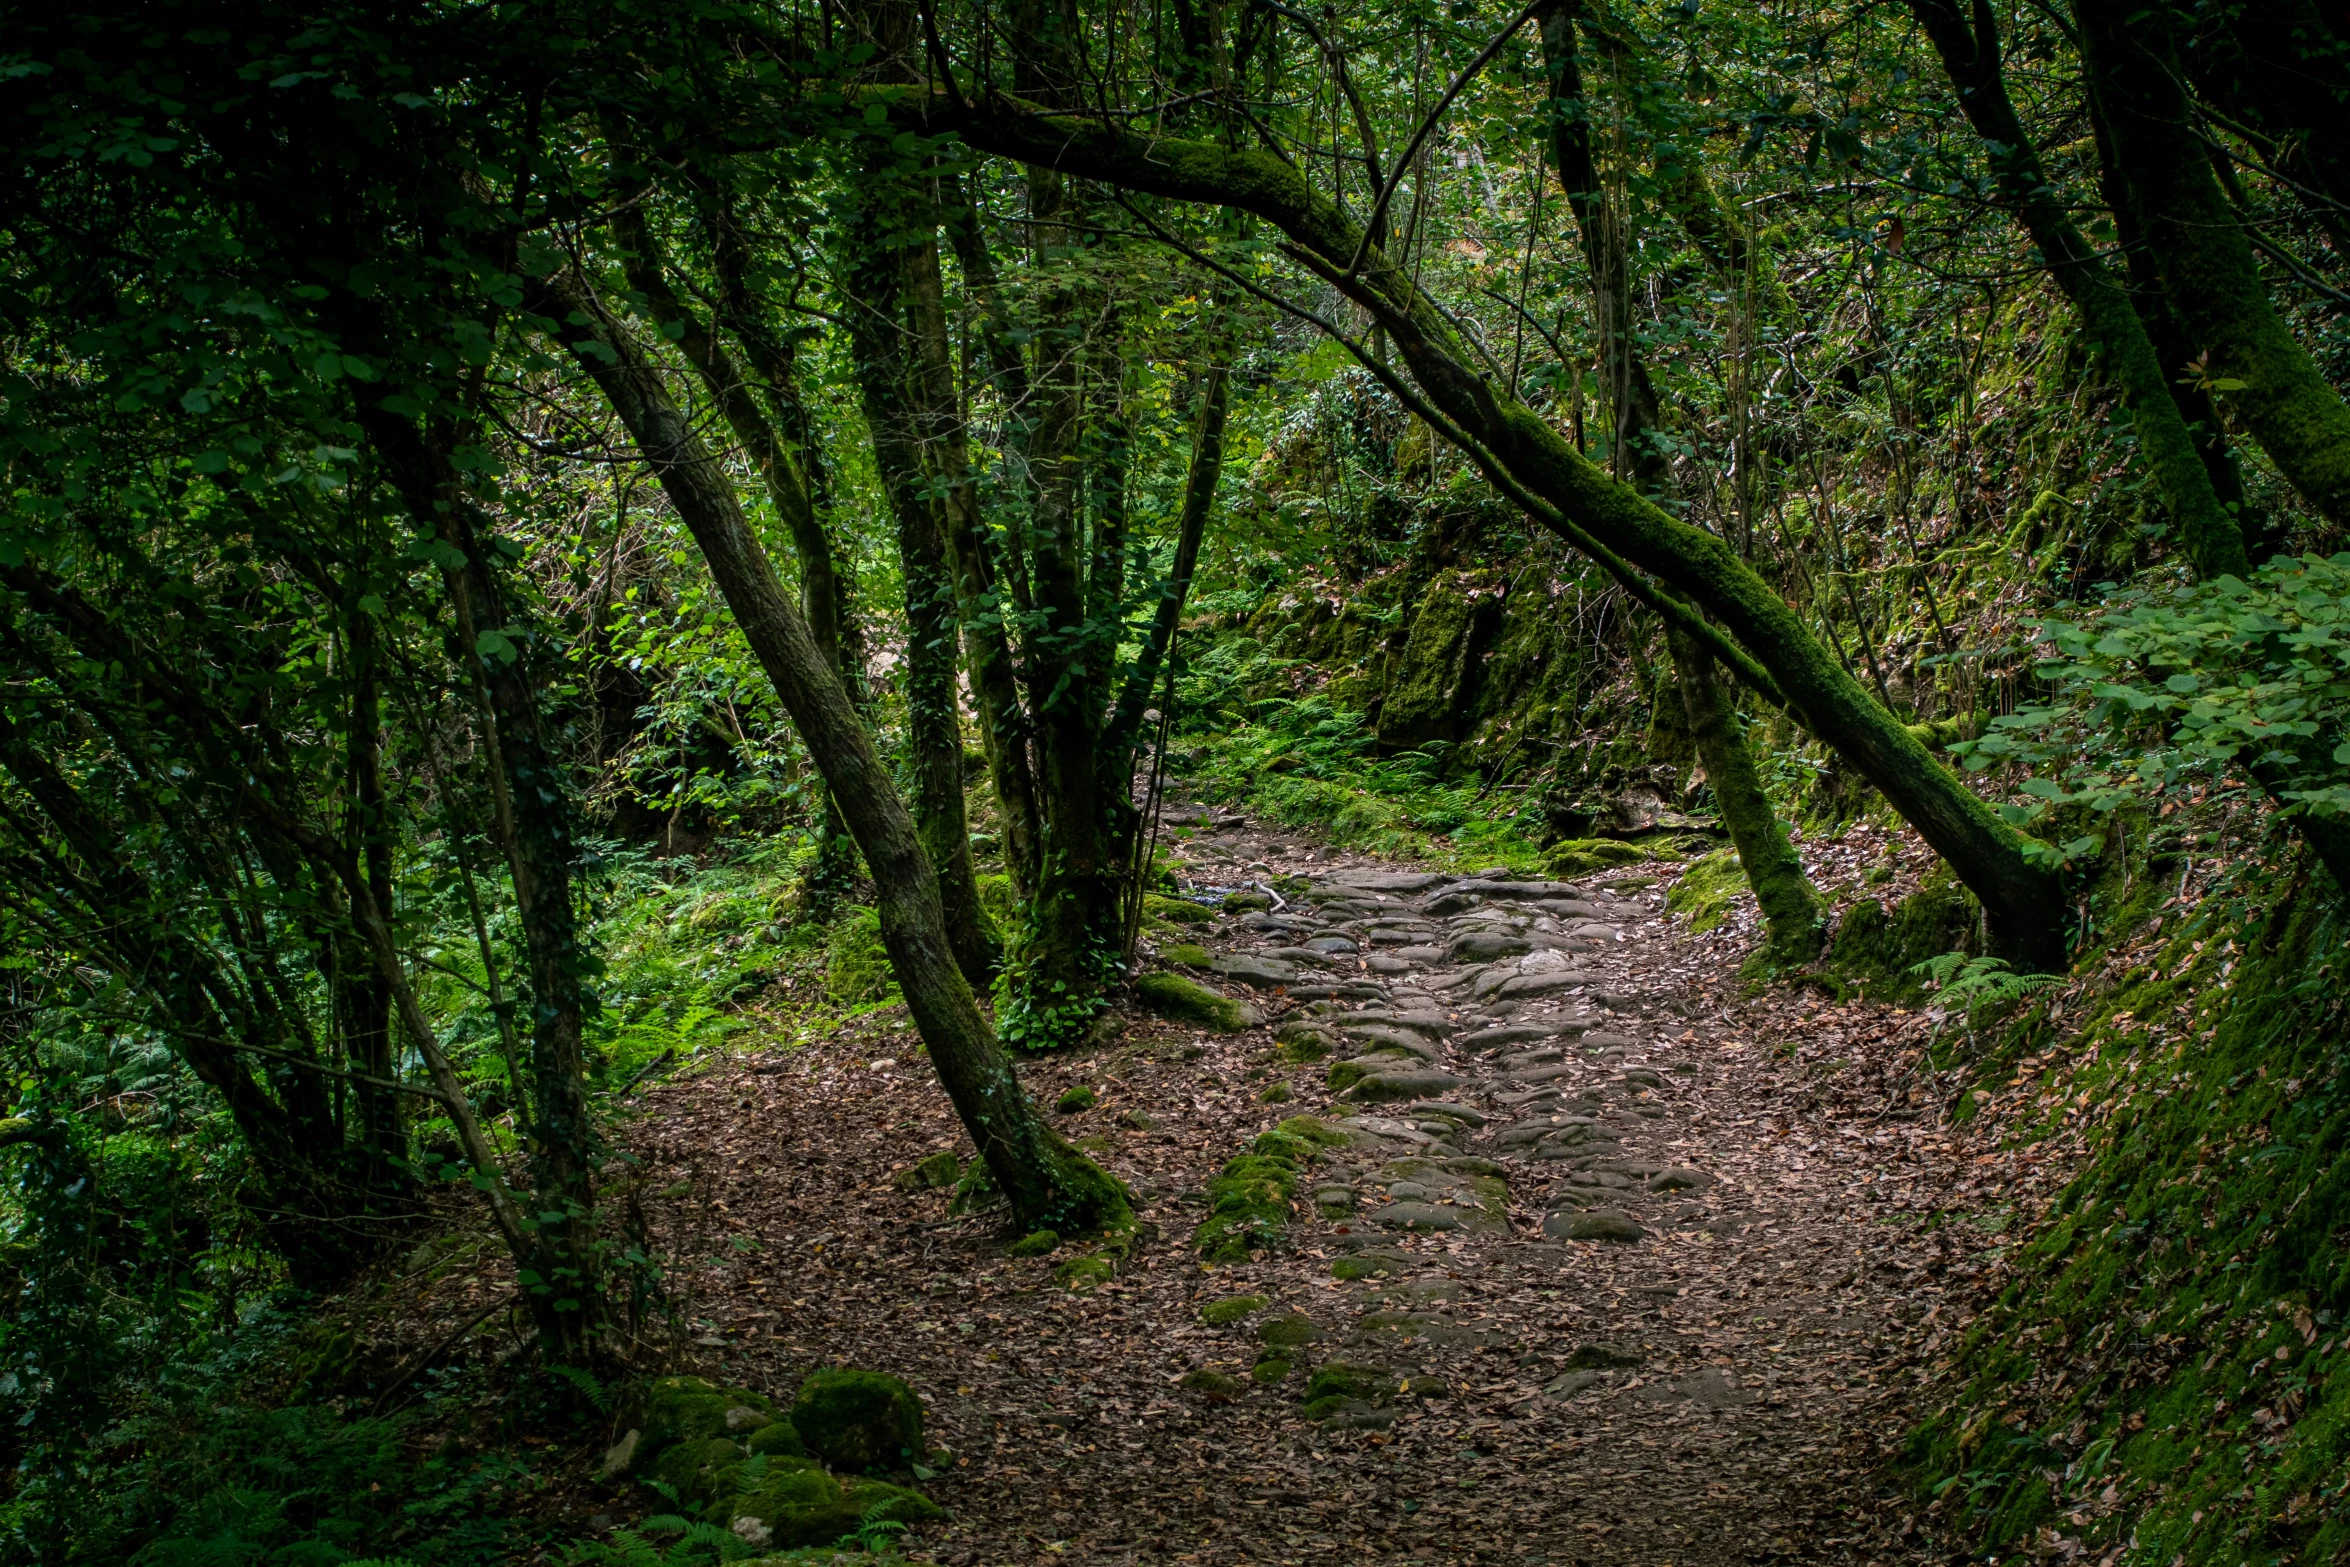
(1729, 1387)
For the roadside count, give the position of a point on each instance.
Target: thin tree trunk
(1793, 913)
(934, 732)
(1047, 1183)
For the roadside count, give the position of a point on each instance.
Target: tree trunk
(934, 730)
(2262, 373)
(1969, 50)
(1794, 917)
(2020, 891)
(1791, 909)
(987, 646)
(1047, 1183)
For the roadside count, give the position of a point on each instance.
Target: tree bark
(2262, 373)
(1047, 1183)
(934, 731)
(2021, 894)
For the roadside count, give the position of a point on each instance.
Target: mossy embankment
(2154, 1378)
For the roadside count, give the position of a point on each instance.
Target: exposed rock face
(1435, 686)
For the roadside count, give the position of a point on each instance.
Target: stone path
(1599, 1259)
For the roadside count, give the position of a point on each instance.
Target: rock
(1247, 902)
(1352, 990)
(620, 1457)
(1265, 973)
(1231, 1309)
(1337, 1379)
(932, 1173)
(1380, 963)
(859, 1420)
(1216, 1386)
(1388, 1037)
(1271, 1369)
(1489, 1039)
(1287, 1332)
(1329, 944)
(1572, 1383)
(1173, 996)
(1306, 955)
(1599, 1224)
(1085, 1273)
(1075, 1099)
(1527, 891)
(797, 1505)
(1526, 985)
(1421, 1216)
(1427, 1387)
(1388, 1087)
(1428, 1024)
(1304, 1041)
(1345, 1074)
(1189, 954)
(1369, 1264)
(1599, 1354)
(1405, 882)
(1447, 1109)
(1483, 946)
(1036, 1243)
(1679, 1180)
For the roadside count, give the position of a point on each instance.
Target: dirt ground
(1726, 1386)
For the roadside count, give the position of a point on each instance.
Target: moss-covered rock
(1287, 1332)
(1248, 1207)
(931, 1173)
(1304, 1041)
(1276, 1094)
(699, 1469)
(791, 1506)
(1075, 1099)
(1434, 688)
(779, 1439)
(1089, 1272)
(1232, 1308)
(1572, 857)
(1189, 954)
(1708, 891)
(1036, 1243)
(1217, 1386)
(1876, 948)
(1337, 1379)
(1173, 996)
(1247, 903)
(1178, 911)
(1274, 1367)
(859, 1420)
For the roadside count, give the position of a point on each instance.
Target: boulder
(859, 1420)
(1402, 1087)
(1173, 996)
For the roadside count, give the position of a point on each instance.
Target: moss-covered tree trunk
(2262, 373)
(1793, 912)
(880, 347)
(1047, 1183)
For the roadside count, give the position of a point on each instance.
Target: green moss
(699, 1469)
(1708, 891)
(1190, 956)
(1247, 903)
(929, 1174)
(1272, 1368)
(1037, 1243)
(856, 967)
(1248, 1207)
(1231, 1309)
(1178, 911)
(1287, 1332)
(779, 1440)
(1172, 996)
(1075, 1099)
(807, 1507)
(1086, 1273)
(1572, 857)
(1876, 950)
(1305, 1042)
(1338, 1380)
(1215, 1384)
(859, 1420)
(1275, 1094)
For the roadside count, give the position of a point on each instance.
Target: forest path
(1603, 1273)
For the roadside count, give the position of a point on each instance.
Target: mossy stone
(700, 1469)
(1178, 911)
(1036, 1243)
(1173, 996)
(1190, 955)
(778, 1439)
(1085, 1273)
(1302, 1042)
(1288, 1332)
(798, 1507)
(1574, 857)
(1339, 1380)
(1276, 1094)
(689, 1409)
(1079, 1098)
(1271, 1369)
(1216, 1385)
(1223, 1313)
(930, 1174)
(859, 1420)
(1247, 903)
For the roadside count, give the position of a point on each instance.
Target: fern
(1972, 985)
(591, 1389)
